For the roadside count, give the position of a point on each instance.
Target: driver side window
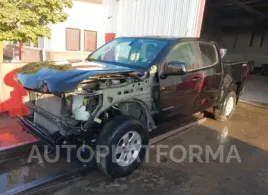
(184, 53)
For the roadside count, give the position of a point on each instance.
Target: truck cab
(123, 91)
(190, 77)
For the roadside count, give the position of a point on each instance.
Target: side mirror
(176, 68)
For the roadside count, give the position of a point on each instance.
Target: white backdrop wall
(152, 17)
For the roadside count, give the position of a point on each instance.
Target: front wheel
(226, 111)
(126, 139)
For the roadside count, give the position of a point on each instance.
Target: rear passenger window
(208, 54)
(182, 52)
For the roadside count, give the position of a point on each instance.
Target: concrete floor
(11, 134)
(256, 89)
(247, 131)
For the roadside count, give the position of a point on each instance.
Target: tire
(224, 112)
(111, 136)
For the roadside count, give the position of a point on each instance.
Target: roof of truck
(162, 37)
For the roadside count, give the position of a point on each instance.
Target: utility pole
(20, 50)
(1, 51)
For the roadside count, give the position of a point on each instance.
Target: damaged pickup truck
(124, 90)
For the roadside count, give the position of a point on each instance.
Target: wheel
(225, 112)
(127, 140)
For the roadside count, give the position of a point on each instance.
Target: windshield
(130, 51)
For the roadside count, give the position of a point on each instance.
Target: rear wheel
(225, 112)
(126, 139)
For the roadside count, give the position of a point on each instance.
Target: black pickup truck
(124, 90)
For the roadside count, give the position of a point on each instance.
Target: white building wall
(111, 9)
(83, 16)
(127, 18)
(152, 17)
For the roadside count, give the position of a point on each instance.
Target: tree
(26, 20)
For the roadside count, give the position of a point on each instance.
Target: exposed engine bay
(96, 100)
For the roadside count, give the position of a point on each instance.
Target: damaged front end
(60, 115)
(54, 118)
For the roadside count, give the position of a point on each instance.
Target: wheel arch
(127, 105)
(139, 105)
(230, 85)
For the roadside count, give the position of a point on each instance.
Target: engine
(73, 109)
(90, 102)
(79, 107)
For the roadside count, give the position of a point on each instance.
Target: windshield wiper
(88, 59)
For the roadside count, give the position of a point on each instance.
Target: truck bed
(237, 70)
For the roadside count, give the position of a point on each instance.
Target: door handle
(195, 79)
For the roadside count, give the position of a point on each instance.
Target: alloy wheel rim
(229, 106)
(128, 148)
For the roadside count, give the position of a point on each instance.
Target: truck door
(178, 92)
(210, 70)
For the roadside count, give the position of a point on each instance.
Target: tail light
(247, 70)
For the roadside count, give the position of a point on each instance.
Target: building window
(90, 40)
(73, 39)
